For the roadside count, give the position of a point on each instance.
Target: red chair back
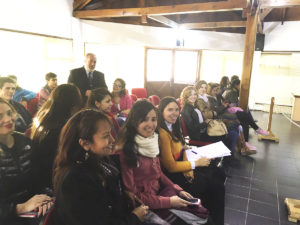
(139, 92)
(178, 100)
(133, 98)
(154, 99)
(49, 218)
(185, 135)
(32, 105)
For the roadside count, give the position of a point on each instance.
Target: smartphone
(31, 214)
(194, 201)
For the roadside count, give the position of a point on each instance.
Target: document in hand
(211, 151)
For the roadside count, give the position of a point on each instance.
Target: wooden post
(271, 136)
(250, 38)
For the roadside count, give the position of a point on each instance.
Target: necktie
(90, 78)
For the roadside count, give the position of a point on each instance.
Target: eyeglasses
(117, 85)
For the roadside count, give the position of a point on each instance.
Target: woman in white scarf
(140, 165)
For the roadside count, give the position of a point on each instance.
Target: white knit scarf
(147, 146)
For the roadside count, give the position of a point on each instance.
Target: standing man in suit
(86, 78)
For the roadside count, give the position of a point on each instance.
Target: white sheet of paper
(214, 150)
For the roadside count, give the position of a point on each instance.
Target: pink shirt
(125, 103)
(146, 181)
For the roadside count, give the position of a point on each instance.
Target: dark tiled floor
(257, 187)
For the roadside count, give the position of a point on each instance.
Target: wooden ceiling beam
(80, 4)
(279, 3)
(229, 5)
(264, 13)
(212, 25)
(164, 20)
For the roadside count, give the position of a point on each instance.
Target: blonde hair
(9, 105)
(186, 93)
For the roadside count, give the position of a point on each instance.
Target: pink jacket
(125, 103)
(146, 181)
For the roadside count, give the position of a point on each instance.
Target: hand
(88, 93)
(202, 162)
(37, 202)
(177, 202)
(185, 147)
(141, 212)
(207, 120)
(185, 194)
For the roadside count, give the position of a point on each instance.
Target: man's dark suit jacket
(79, 78)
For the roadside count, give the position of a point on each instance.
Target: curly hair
(185, 94)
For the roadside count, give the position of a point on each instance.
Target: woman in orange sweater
(197, 177)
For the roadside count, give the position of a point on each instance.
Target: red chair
(133, 98)
(139, 92)
(154, 99)
(49, 218)
(32, 105)
(178, 100)
(185, 135)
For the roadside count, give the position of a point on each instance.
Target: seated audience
(224, 83)
(194, 120)
(51, 83)
(17, 185)
(122, 102)
(141, 170)
(22, 95)
(194, 176)
(7, 90)
(100, 98)
(62, 103)
(231, 96)
(86, 182)
(231, 120)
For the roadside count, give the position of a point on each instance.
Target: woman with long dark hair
(17, 183)
(141, 170)
(197, 177)
(231, 96)
(64, 101)
(100, 99)
(86, 181)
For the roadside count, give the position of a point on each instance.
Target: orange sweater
(170, 153)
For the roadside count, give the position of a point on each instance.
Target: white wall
(112, 33)
(51, 17)
(282, 37)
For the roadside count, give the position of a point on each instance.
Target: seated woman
(217, 105)
(224, 83)
(86, 182)
(17, 185)
(195, 122)
(122, 102)
(62, 103)
(195, 177)
(231, 96)
(100, 99)
(140, 165)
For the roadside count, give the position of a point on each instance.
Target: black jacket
(191, 119)
(43, 155)
(83, 200)
(16, 181)
(24, 119)
(79, 78)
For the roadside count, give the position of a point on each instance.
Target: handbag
(216, 128)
